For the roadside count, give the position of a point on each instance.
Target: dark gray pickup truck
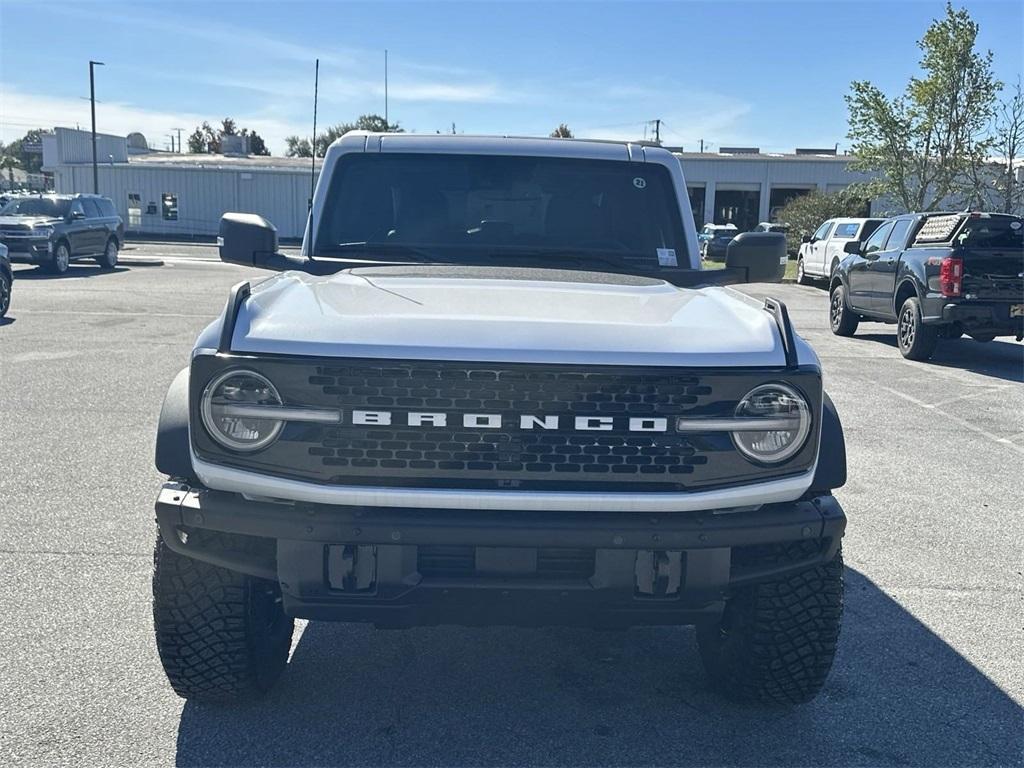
(936, 275)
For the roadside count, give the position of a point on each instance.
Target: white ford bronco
(496, 387)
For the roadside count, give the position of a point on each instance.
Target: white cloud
(32, 110)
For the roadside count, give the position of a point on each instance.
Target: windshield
(470, 207)
(36, 206)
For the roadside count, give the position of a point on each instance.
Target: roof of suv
(595, 149)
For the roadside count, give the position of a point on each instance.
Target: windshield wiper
(400, 250)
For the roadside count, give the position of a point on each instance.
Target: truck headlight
(787, 423)
(45, 231)
(228, 413)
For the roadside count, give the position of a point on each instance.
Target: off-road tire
(841, 318)
(984, 338)
(5, 293)
(777, 639)
(916, 340)
(61, 260)
(109, 258)
(221, 635)
(801, 276)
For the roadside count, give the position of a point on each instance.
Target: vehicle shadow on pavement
(74, 271)
(352, 695)
(999, 359)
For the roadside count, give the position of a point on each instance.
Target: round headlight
(229, 414)
(787, 414)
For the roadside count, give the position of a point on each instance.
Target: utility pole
(179, 139)
(702, 146)
(387, 125)
(92, 105)
(657, 131)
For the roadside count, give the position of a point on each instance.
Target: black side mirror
(251, 241)
(806, 239)
(851, 246)
(761, 254)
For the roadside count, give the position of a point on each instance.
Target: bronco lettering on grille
(511, 421)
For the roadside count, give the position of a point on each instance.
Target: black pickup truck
(936, 275)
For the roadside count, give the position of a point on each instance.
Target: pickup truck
(935, 275)
(820, 253)
(498, 388)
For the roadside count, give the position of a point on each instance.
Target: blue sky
(767, 74)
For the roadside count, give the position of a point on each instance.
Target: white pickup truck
(497, 388)
(821, 252)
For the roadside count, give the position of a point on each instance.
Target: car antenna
(312, 164)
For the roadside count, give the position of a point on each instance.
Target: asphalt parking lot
(929, 670)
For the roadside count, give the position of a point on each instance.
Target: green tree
(205, 139)
(9, 163)
(561, 132)
(25, 151)
(926, 143)
(1008, 148)
(805, 213)
(296, 147)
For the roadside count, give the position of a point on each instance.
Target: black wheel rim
(836, 310)
(907, 330)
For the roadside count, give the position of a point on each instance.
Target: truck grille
(559, 456)
(551, 562)
(511, 392)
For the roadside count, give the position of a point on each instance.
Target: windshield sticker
(639, 182)
(667, 257)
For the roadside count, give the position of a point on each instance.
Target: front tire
(984, 338)
(221, 635)
(776, 640)
(917, 341)
(841, 319)
(5, 294)
(801, 276)
(109, 258)
(61, 259)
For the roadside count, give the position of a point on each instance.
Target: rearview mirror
(851, 246)
(246, 239)
(761, 254)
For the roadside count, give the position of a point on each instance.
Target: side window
(899, 234)
(846, 231)
(76, 209)
(134, 210)
(170, 207)
(92, 211)
(106, 207)
(868, 229)
(823, 230)
(877, 240)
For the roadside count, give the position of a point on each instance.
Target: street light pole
(92, 105)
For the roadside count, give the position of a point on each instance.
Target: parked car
(821, 252)
(54, 230)
(532, 416)
(715, 239)
(935, 275)
(772, 226)
(6, 280)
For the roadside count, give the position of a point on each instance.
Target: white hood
(516, 316)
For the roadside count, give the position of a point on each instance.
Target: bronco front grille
(561, 456)
(511, 393)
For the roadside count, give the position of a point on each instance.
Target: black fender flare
(831, 470)
(172, 446)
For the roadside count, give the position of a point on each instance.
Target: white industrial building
(168, 193)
